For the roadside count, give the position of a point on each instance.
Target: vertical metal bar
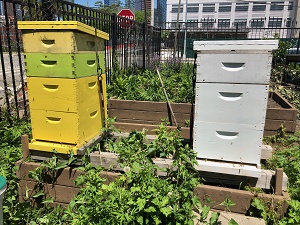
(4, 76)
(144, 47)
(298, 43)
(20, 65)
(10, 56)
(114, 41)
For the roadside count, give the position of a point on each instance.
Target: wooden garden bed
(63, 189)
(143, 114)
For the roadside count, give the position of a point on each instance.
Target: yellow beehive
(61, 37)
(66, 128)
(63, 94)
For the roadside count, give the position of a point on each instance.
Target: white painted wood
(250, 45)
(228, 168)
(231, 103)
(234, 68)
(109, 160)
(228, 142)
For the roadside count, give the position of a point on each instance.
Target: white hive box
(231, 103)
(232, 67)
(228, 142)
(245, 61)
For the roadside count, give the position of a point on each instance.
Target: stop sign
(128, 14)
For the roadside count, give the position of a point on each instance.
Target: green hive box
(63, 65)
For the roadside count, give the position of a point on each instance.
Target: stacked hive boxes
(231, 101)
(63, 61)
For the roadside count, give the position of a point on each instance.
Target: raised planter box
(143, 114)
(63, 189)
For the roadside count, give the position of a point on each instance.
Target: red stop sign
(128, 14)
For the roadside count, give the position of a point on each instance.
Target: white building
(215, 14)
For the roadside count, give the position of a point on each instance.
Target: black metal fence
(175, 34)
(131, 44)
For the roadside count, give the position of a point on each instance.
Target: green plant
(139, 196)
(266, 210)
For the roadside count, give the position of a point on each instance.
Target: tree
(114, 8)
(140, 16)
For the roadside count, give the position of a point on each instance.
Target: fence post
(159, 42)
(236, 31)
(144, 46)
(114, 43)
(298, 43)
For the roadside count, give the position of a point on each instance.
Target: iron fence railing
(176, 34)
(131, 44)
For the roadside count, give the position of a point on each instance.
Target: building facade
(229, 14)
(161, 13)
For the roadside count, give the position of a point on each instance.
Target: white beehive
(231, 101)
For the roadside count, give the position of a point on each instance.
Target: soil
(273, 104)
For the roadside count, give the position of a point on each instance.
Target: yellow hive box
(67, 128)
(61, 37)
(63, 94)
(47, 146)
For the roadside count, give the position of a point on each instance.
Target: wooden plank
(110, 161)
(150, 122)
(25, 147)
(126, 127)
(148, 106)
(60, 193)
(64, 177)
(281, 114)
(278, 181)
(213, 196)
(146, 115)
(282, 101)
(276, 124)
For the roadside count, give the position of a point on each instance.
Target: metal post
(114, 42)
(144, 47)
(185, 31)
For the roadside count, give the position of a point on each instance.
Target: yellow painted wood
(47, 146)
(63, 41)
(68, 128)
(63, 94)
(62, 25)
(104, 94)
(63, 65)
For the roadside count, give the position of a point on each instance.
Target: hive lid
(62, 25)
(2, 182)
(235, 45)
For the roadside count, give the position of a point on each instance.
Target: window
(224, 23)
(290, 6)
(258, 22)
(225, 7)
(207, 23)
(192, 23)
(175, 9)
(276, 6)
(192, 8)
(208, 8)
(259, 6)
(288, 22)
(275, 22)
(241, 7)
(240, 23)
